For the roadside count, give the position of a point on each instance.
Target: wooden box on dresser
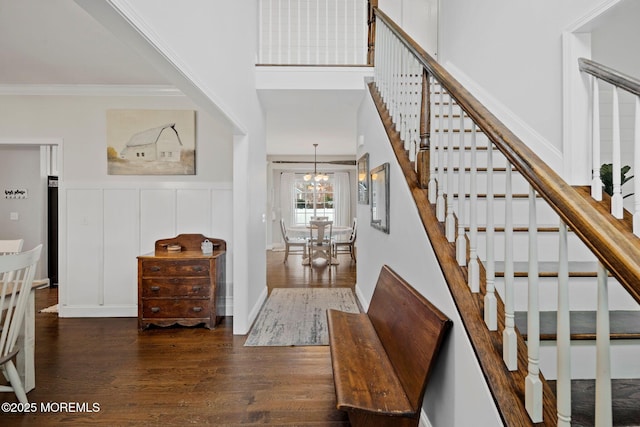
(185, 286)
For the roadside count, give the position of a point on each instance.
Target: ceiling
(56, 42)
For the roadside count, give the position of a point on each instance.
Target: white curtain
(342, 199)
(287, 182)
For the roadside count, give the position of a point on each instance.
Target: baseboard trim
(98, 310)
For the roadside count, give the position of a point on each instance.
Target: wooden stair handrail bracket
(615, 246)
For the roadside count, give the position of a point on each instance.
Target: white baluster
(289, 32)
(563, 387)
(450, 222)
(317, 32)
(279, 32)
(509, 337)
(336, 49)
(299, 33)
(533, 385)
(473, 271)
(308, 7)
(616, 199)
(636, 164)
(434, 146)
(490, 301)
(461, 241)
(440, 211)
(596, 182)
(326, 32)
(603, 353)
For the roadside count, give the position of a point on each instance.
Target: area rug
(52, 309)
(298, 316)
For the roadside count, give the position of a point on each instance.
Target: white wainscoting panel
(157, 216)
(108, 225)
(121, 243)
(84, 247)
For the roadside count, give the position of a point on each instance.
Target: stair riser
(582, 294)
(441, 139)
(547, 247)
(518, 184)
(499, 160)
(624, 359)
(520, 208)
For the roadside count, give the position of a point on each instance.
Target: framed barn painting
(151, 142)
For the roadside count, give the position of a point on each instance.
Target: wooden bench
(382, 359)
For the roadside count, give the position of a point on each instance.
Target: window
(306, 193)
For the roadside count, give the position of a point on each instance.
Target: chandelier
(317, 177)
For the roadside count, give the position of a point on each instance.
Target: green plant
(606, 176)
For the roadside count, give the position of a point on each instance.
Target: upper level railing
(441, 125)
(314, 32)
(602, 74)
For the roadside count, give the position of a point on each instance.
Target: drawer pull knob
(155, 309)
(197, 268)
(197, 309)
(155, 288)
(196, 288)
(155, 268)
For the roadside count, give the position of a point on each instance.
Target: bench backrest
(411, 330)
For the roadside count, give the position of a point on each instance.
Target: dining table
(302, 231)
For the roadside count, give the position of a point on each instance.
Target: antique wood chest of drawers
(185, 286)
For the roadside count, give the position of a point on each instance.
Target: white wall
(418, 18)
(457, 394)
(106, 221)
(20, 168)
(513, 51)
(213, 43)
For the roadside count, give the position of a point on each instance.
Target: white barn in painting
(156, 144)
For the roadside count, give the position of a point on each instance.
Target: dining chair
(347, 246)
(11, 246)
(291, 242)
(16, 277)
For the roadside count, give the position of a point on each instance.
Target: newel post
(422, 159)
(371, 38)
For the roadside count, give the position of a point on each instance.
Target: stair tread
(624, 392)
(550, 268)
(624, 324)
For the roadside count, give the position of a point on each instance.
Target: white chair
(11, 246)
(347, 246)
(291, 242)
(321, 241)
(16, 278)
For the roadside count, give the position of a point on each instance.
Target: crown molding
(88, 90)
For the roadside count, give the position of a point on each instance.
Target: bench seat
(364, 369)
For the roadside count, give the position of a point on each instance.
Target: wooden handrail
(609, 75)
(611, 242)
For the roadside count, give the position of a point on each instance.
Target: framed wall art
(380, 198)
(363, 179)
(151, 142)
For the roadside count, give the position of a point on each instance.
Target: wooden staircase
(489, 166)
(625, 324)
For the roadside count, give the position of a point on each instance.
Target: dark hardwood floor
(181, 376)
